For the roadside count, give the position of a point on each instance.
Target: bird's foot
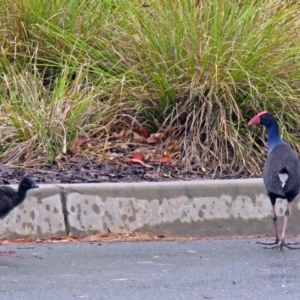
(269, 243)
(282, 244)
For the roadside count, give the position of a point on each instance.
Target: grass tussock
(70, 68)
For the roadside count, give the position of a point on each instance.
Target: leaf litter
(128, 156)
(123, 236)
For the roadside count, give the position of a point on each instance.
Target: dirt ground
(92, 172)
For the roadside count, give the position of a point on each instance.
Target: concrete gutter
(209, 208)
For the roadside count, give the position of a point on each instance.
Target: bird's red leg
(276, 230)
(282, 243)
(285, 222)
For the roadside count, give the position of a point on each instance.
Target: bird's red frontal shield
(256, 119)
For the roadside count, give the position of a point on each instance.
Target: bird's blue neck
(274, 138)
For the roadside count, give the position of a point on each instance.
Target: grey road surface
(222, 269)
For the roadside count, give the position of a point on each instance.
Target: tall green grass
(206, 67)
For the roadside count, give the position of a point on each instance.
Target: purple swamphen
(9, 198)
(281, 173)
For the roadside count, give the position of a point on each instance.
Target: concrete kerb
(211, 208)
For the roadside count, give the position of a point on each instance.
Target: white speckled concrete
(40, 215)
(198, 208)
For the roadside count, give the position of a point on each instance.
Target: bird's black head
(263, 118)
(27, 184)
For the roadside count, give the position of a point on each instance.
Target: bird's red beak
(255, 120)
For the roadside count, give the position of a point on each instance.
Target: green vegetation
(197, 69)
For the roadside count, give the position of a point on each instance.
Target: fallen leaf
(151, 140)
(174, 146)
(163, 159)
(156, 138)
(118, 135)
(137, 137)
(123, 147)
(142, 131)
(127, 134)
(160, 236)
(166, 175)
(105, 235)
(137, 161)
(78, 142)
(138, 155)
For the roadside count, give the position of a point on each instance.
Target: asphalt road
(223, 269)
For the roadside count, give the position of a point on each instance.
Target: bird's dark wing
(282, 158)
(7, 199)
(5, 208)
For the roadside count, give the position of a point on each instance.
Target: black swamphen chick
(281, 173)
(9, 198)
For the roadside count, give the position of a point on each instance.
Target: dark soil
(93, 172)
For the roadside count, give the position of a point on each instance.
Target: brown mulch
(87, 171)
